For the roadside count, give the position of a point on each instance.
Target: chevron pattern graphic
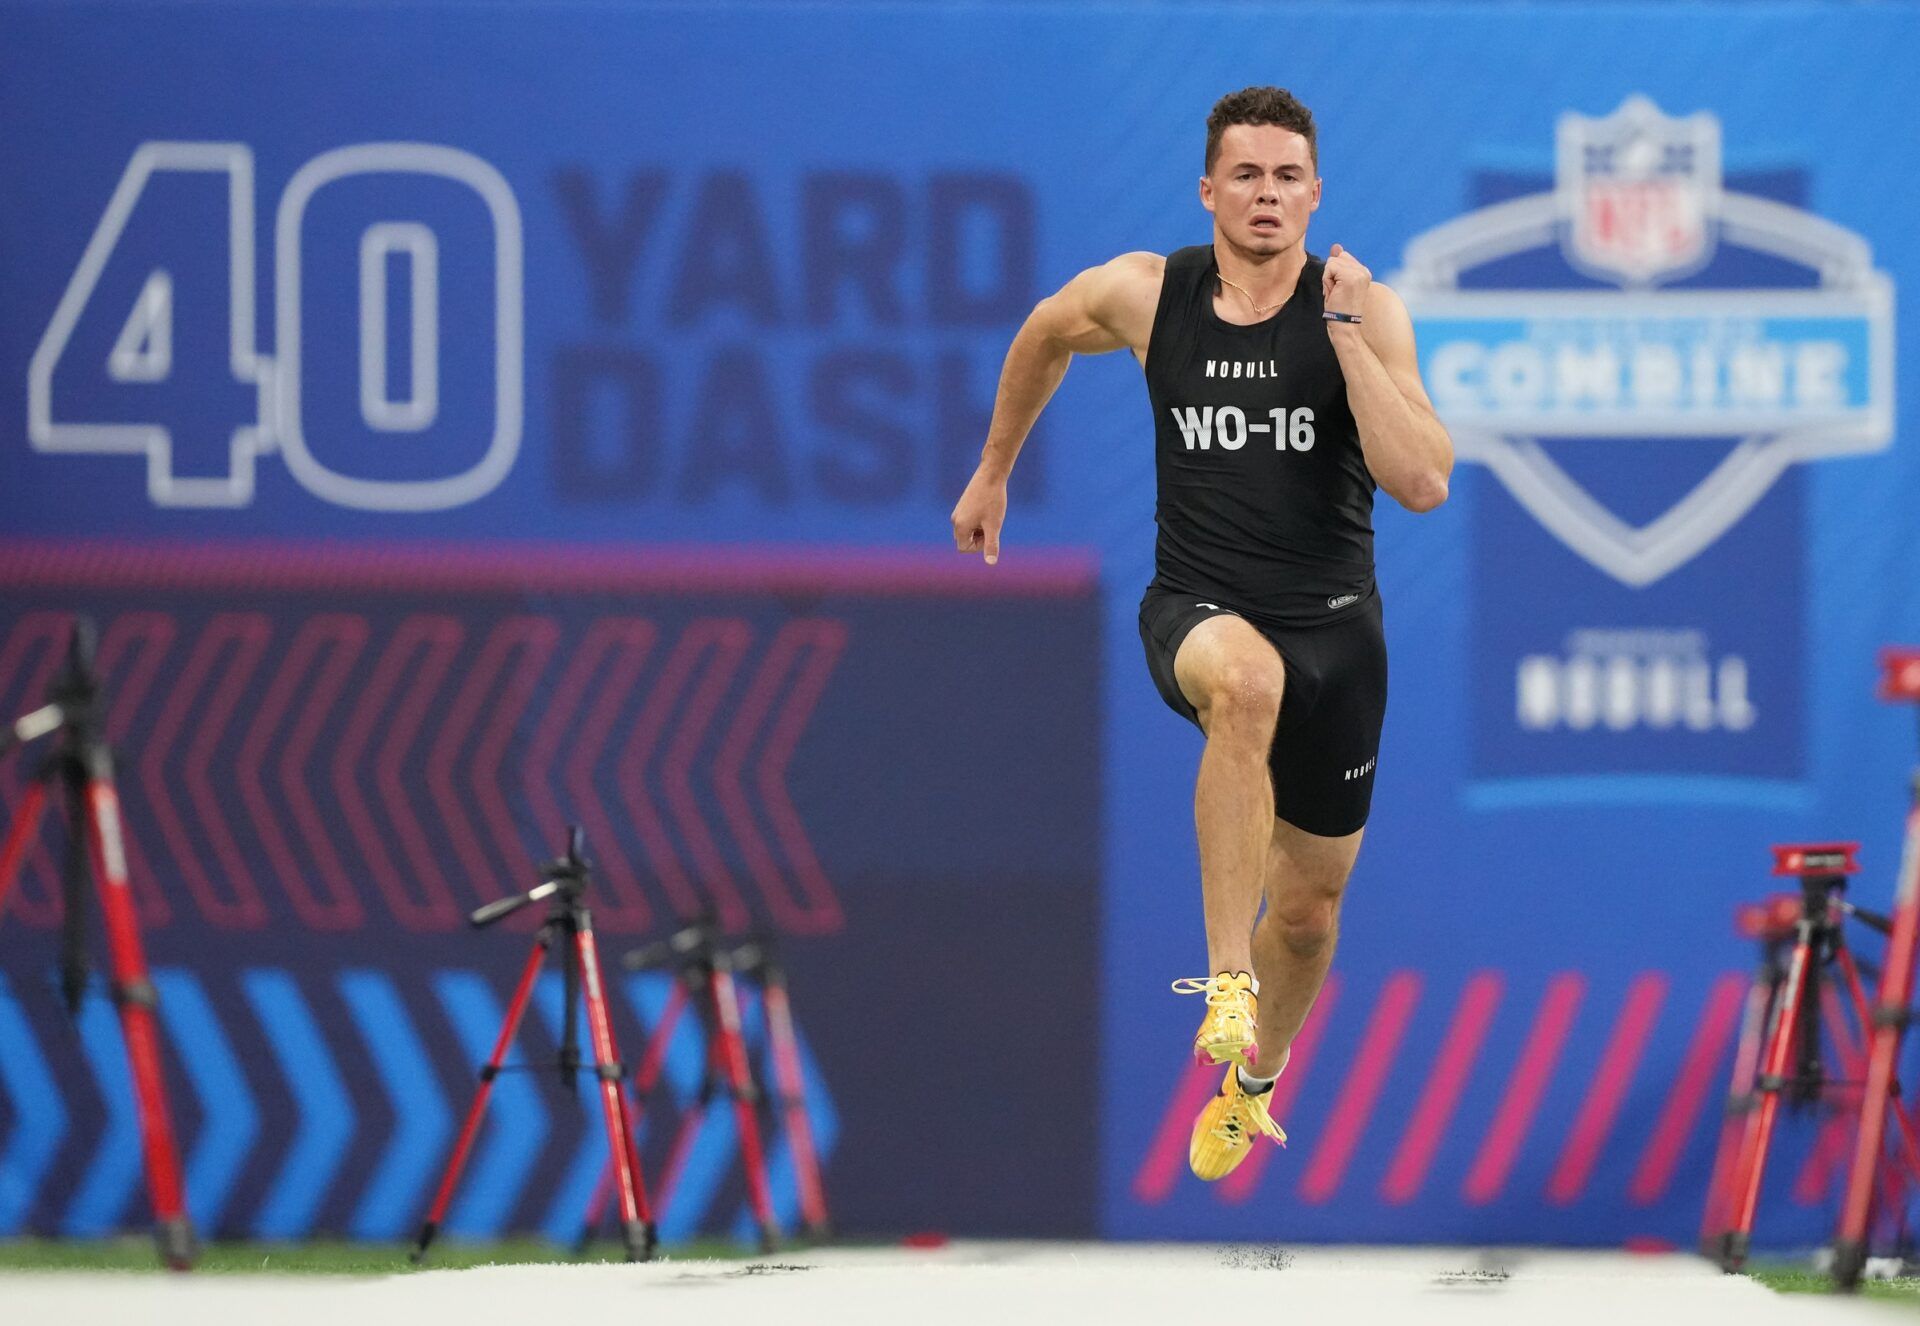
(327, 756)
(281, 1041)
(349, 768)
(335, 771)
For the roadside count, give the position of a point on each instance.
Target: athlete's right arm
(1105, 308)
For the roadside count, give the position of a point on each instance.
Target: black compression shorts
(1328, 737)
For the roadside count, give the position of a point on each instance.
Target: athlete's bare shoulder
(1134, 295)
(1109, 307)
(1139, 266)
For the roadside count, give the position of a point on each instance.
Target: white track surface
(979, 1284)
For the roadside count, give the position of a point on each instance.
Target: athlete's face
(1262, 188)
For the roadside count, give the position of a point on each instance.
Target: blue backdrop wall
(465, 419)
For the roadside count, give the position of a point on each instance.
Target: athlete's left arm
(1406, 446)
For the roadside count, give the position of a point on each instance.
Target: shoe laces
(1232, 1128)
(1219, 993)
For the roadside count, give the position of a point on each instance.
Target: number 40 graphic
(144, 350)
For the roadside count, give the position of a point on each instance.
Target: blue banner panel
(327, 761)
(491, 301)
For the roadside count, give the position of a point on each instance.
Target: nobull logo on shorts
(1642, 347)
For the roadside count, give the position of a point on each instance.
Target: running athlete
(1285, 389)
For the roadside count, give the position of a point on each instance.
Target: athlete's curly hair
(1260, 105)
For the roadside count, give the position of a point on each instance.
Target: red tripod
(81, 766)
(759, 958)
(705, 981)
(564, 883)
(1899, 681)
(1772, 923)
(1783, 1061)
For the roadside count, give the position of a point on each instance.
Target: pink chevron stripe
(196, 715)
(1451, 1068)
(626, 907)
(1354, 1108)
(158, 785)
(1240, 1185)
(296, 678)
(632, 773)
(1826, 1160)
(536, 638)
(1691, 1089)
(128, 686)
(35, 897)
(413, 568)
(555, 720)
(341, 908)
(442, 638)
(727, 762)
(1618, 1063)
(250, 633)
(436, 910)
(821, 913)
(477, 864)
(1501, 1147)
(730, 638)
(250, 763)
(1166, 1157)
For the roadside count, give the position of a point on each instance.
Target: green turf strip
(319, 1258)
(1798, 1280)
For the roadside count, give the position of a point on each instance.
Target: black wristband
(1331, 316)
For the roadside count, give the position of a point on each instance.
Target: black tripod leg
(75, 880)
(570, 1009)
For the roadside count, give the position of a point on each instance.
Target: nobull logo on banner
(1642, 348)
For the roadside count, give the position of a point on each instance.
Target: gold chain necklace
(1258, 310)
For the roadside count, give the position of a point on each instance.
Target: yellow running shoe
(1224, 1134)
(1232, 1017)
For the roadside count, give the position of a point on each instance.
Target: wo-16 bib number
(1203, 425)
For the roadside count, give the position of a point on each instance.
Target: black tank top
(1265, 502)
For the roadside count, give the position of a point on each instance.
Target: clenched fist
(1343, 286)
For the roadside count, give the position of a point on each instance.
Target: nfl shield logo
(1637, 418)
(1527, 377)
(1639, 191)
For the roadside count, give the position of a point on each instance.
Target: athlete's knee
(1308, 913)
(1245, 692)
(1308, 936)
